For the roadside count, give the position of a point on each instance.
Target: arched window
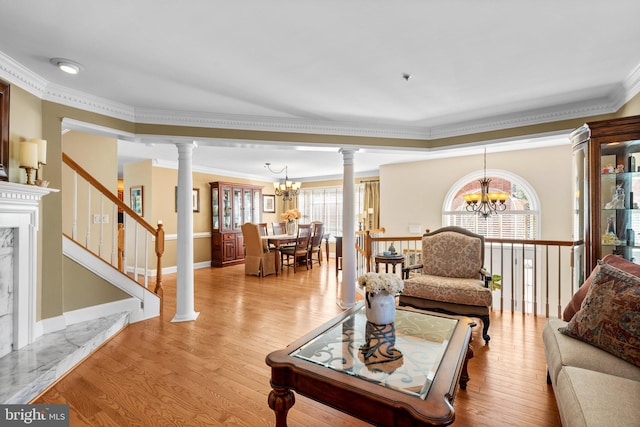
(521, 219)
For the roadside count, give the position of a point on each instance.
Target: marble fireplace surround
(19, 210)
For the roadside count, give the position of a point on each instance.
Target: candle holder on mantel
(28, 158)
(28, 169)
(42, 156)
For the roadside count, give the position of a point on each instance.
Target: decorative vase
(380, 308)
(291, 227)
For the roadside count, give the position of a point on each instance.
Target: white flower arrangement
(375, 283)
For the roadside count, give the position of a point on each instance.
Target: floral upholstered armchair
(452, 278)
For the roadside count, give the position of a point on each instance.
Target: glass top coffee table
(404, 373)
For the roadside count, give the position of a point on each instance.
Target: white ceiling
(325, 67)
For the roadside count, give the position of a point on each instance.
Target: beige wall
(159, 204)
(25, 122)
(84, 149)
(29, 115)
(86, 289)
(413, 193)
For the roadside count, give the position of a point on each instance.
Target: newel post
(121, 247)
(159, 252)
(367, 249)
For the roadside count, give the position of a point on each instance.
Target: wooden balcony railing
(536, 275)
(125, 244)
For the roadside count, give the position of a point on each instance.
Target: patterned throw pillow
(610, 314)
(576, 301)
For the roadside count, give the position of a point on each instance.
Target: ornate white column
(184, 262)
(347, 296)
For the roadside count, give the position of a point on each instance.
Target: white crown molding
(209, 171)
(17, 74)
(84, 101)
(632, 85)
(276, 124)
(603, 105)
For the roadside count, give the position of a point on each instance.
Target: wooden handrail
(158, 233)
(107, 193)
(535, 242)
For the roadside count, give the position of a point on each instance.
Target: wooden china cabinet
(232, 205)
(607, 209)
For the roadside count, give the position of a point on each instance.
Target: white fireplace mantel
(19, 210)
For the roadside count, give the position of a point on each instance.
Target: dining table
(278, 240)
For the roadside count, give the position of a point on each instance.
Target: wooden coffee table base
(364, 399)
(281, 399)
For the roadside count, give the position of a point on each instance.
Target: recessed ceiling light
(67, 65)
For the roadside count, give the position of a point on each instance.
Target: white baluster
(135, 258)
(88, 242)
(101, 240)
(114, 235)
(146, 260)
(74, 230)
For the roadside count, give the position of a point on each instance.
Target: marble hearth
(26, 373)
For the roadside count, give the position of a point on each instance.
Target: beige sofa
(592, 387)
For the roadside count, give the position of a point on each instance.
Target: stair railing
(535, 276)
(129, 237)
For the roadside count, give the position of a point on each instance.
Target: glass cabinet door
(246, 206)
(619, 197)
(237, 208)
(215, 212)
(226, 208)
(256, 206)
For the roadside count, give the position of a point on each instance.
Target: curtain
(372, 204)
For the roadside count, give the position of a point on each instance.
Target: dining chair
(258, 260)
(279, 227)
(262, 227)
(299, 251)
(315, 244)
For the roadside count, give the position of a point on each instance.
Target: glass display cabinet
(232, 205)
(607, 165)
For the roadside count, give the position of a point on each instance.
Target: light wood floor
(212, 371)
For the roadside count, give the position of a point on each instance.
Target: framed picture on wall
(269, 203)
(137, 195)
(195, 200)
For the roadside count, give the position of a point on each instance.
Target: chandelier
(485, 203)
(287, 189)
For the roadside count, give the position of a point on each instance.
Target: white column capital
(186, 148)
(348, 154)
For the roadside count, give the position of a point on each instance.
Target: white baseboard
(58, 323)
(169, 270)
(51, 324)
(132, 305)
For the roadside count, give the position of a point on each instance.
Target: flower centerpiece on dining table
(290, 216)
(380, 293)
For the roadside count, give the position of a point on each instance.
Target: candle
(42, 149)
(28, 155)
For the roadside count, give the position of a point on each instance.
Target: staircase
(100, 245)
(145, 304)
(34, 366)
